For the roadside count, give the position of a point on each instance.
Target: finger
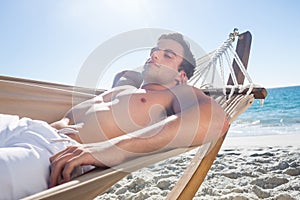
(70, 167)
(57, 166)
(55, 170)
(59, 154)
(82, 158)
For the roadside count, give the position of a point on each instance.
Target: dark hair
(189, 63)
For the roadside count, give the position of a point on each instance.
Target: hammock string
(213, 64)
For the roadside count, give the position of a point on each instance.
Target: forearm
(194, 126)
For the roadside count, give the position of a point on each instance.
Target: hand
(64, 122)
(64, 162)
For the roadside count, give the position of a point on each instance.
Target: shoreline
(262, 140)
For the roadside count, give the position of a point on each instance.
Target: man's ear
(182, 77)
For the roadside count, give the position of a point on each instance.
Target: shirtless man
(164, 113)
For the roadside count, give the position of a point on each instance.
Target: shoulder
(186, 96)
(189, 91)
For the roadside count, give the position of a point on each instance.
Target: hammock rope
(213, 64)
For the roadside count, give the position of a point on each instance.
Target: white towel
(25, 148)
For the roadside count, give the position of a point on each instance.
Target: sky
(50, 40)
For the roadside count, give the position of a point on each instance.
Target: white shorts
(25, 148)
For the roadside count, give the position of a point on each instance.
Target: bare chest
(125, 113)
(144, 109)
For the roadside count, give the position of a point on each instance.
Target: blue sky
(50, 40)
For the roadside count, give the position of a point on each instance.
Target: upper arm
(128, 77)
(195, 107)
(186, 97)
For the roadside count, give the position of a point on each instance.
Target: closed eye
(168, 53)
(167, 56)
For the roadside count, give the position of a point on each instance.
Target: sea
(279, 114)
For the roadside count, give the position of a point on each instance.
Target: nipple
(143, 100)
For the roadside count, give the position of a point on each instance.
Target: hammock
(49, 102)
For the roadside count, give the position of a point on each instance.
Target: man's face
(162, 66)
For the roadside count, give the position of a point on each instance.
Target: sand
(262, 167)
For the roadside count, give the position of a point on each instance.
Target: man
(164, 113)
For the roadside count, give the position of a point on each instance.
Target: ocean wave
(280, 114)
(258, 129)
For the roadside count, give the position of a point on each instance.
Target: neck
(154, 86)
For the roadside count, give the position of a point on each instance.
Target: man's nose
(155, 55)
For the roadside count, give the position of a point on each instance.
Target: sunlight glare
(129, 8)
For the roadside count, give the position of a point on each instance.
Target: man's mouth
(150, 62)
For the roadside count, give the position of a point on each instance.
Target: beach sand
(261, 167)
